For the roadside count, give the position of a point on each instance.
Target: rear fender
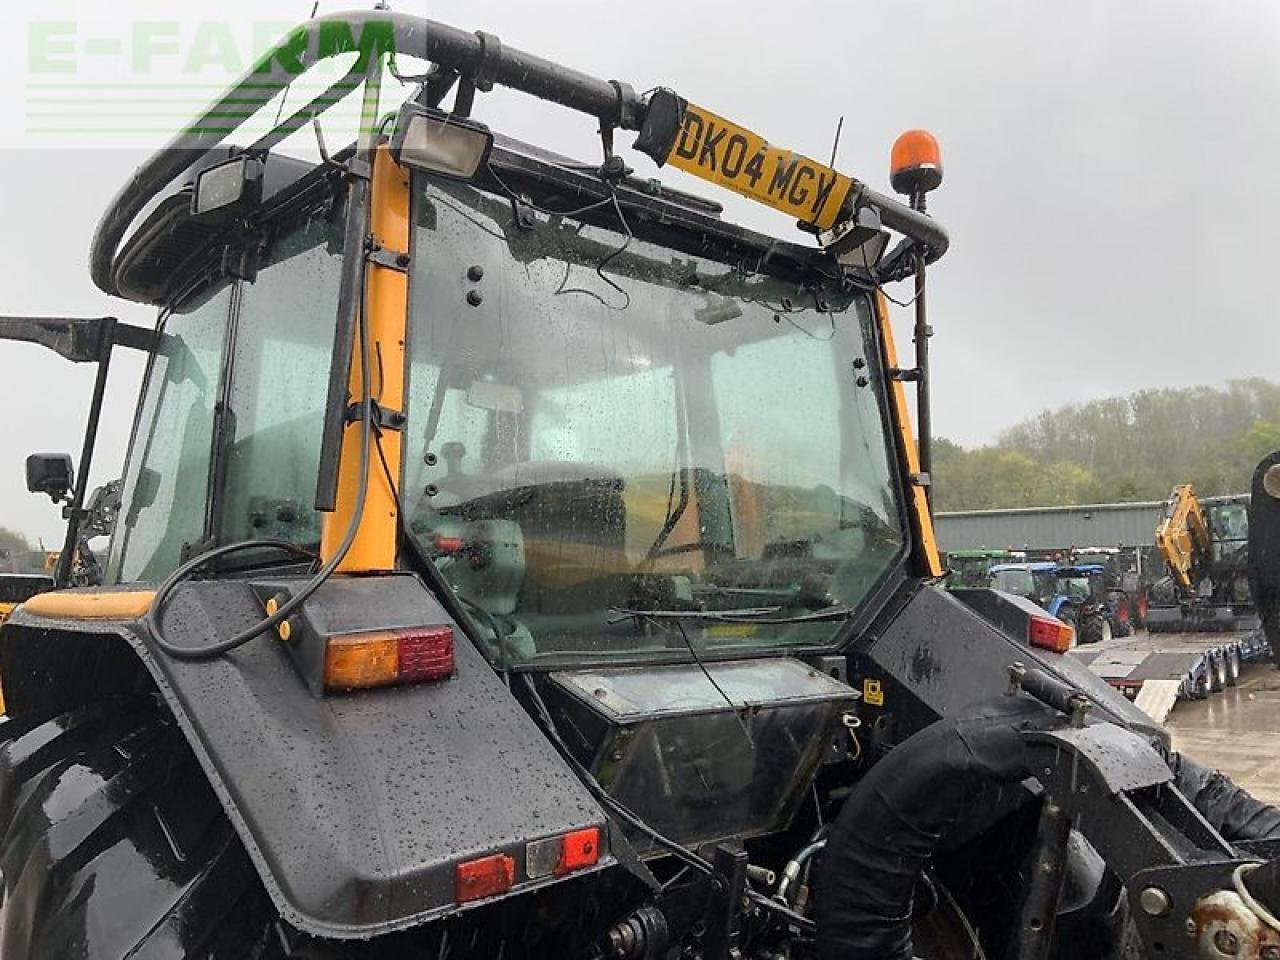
(355, 808)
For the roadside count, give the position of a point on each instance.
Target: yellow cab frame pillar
(926, 558)
(386, 307)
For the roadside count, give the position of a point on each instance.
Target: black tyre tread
(115, 846)
(1091, 630)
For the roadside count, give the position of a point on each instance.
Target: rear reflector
(581, 849)
(1049, 633)
(486, 877)
(357, 661)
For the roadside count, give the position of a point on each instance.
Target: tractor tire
(1218, 674)
(1233, 668)
(113, 844)
(1095, 630)
(1123, 613)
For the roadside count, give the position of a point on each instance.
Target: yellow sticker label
(872, 693)
(730, 156)
(736, 630)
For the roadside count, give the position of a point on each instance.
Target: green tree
(1117, 449)
(13, 541)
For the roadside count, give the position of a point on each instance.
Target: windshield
(599, 426)
(968, 571)
(1077, 587)
(1230, 525)
(261, 456)
(1019, 582)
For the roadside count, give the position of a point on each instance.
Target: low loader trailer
(517, 560)
(1158, 669)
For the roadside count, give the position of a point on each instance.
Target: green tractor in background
(972, 568)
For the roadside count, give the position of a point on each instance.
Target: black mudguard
(355, 808)
(937, 656)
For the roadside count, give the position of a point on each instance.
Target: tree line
(1135, 447)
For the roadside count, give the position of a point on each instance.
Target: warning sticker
(872, 693)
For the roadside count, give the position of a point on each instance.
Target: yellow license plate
(726, 154)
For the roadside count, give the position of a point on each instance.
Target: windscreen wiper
(743, 615)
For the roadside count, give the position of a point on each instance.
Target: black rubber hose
(1229, 808)
(897, 816)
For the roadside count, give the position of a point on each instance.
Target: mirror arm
(74, 511)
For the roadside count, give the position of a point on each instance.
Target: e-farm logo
(146, 80)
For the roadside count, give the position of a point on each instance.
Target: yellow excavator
(1204, 545)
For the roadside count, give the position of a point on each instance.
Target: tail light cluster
(1050, 633)
(385, 657)
(554, 856)
(359, 633)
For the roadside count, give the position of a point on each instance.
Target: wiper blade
(743, 615)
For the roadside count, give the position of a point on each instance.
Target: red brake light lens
(425, 654)
(1049, 633)
(485, 877)
(581, 849)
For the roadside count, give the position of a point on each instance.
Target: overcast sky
(1110, 173)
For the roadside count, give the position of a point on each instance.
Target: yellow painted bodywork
(374, 547)
(721, 152)
(111, 605)
(922, 519)
(1183, 537)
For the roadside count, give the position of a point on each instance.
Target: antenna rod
(836, 145)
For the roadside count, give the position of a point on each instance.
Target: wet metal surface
(1236, 731)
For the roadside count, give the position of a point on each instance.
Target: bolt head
(1156, 903)
(1226, 942)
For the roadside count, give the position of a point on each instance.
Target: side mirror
(50, 473)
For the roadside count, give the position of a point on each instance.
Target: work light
(439, 143)
(227, 189)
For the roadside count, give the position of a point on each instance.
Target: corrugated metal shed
(1056, 528)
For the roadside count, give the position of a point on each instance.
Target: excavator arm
(1183, 538)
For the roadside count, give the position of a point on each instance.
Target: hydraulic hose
(896, 818)
(898, 815)
(1229, 808)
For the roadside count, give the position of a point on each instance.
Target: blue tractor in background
(1077, 595)
(1081, 598)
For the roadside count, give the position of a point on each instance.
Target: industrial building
(1057, 528)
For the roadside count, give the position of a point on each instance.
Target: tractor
(515, 558)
